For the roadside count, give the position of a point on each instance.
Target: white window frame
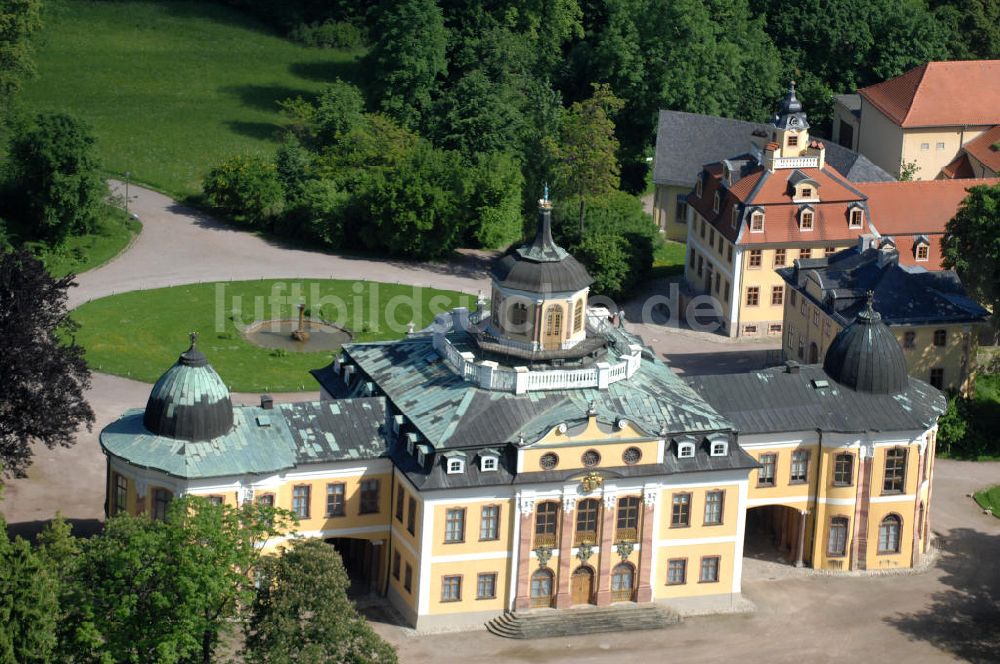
(685, 450)
(455, 466)
(812, 222)
(488, 464)
(720, 448)
(754, 216)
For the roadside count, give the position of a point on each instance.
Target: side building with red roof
(931, 117)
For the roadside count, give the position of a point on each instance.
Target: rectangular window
(680, 211)
(709, 569)
(807, 221)
(749, 329)
(369, 497)
(713, 507)
(779, 257)
(729, 253)
(940, 337)
(400, 501)
(895, 470)
(793, 140)
(411, 516)
(800, 467)
(215, 500)
(451, 589)
(829, 251)
(765, 474)
(691, 257)
(335, 504)
(777, 295)
(120, 501)
(774, 328)
(909, 340)
(922, 252)
(701, 265)
(489, 522)
(680, 513)
(793, 298)
(727, 291)
(753, 296)
(161, 501)
(718, 283)
(856, 217)
(843, 470)
(454, 525)
(940, 146)
(266, 499)
(937, 378)
(300, 501)
(925, 146)
(486, 586)
(755, 257)
(836, 544)
(677, 571)
(816, 317)
(408, 578)
(711, 236)
(805, 253)
(396, 564)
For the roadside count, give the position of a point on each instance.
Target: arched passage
(362, 561)
(777, 534)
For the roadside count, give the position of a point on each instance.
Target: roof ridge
(916, 91)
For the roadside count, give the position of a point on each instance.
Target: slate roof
(451, 413)
(261, 440)
(685, 142)
(941, 94)
(852, 102)
(776, 401)
(542, 266)
(903, 295)
(866, 357)
(189, 400)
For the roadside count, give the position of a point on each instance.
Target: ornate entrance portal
(582, 585)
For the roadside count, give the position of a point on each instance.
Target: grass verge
(668, 259)
(172, 88)
(140, 334)
(989, 499)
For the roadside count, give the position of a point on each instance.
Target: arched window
(622, 582)
(587, 513)
(888, 534)
(541, 588)
(553, 320)
(578, 315)
(837, 543)
(806, 220)
(757, 222)
(546, 518)
(628, 518)
(518, 314)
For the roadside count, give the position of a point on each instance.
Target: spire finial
(193, 336)
(791, 86)
(545, 193)
(870, 300)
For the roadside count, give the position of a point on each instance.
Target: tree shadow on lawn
(965, 619)
(328, 72)
(265, 97)
(266, 131)
(29, 530)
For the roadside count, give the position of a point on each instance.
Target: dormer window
(806, 219)
(757, 222)
(923, 252)
(857, 217)
(807, 192)
(488, 464)
(685, 450)
(720, 448)
(455, 466)
(715, 202)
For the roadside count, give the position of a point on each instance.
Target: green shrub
(246, 188)
(329, 34)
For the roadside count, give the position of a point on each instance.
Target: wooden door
(582, 585)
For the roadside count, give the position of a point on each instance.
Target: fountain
(301, 333)
(304, 335)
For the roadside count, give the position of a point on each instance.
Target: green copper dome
(189, 401)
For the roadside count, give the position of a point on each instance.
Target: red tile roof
(921, 206)
(906, 245)
(985, 148)
(939, 94)
(959, 168)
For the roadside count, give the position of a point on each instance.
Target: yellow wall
(933, 159)
(665, 211)
(570, 447)
(698, 529)
(954, 357)
(352, 519)
(694, 553)
(473, 519)
(881, 139)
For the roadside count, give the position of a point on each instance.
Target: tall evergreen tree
(407, 59)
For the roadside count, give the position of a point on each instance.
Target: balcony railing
(626, 535)
(622, 595)
(545, 539)
(585, 537)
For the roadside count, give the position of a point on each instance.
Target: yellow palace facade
(528, 458)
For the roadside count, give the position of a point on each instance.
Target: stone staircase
(544, 623)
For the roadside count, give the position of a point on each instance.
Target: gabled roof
(685, 142)
(902, 295)
(940, 94)
(985, 148)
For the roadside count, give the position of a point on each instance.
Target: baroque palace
(538, 455)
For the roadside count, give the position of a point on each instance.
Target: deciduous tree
(246, 188)
(42, 370)
(19, 20)
(971, 246)
(28, 603)
(294, 618)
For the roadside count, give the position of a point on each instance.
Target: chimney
(792, 367)
(267, 402)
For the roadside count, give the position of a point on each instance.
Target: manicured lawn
(668, 261)
(989, 499)
(171, 88)
(140, 334)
